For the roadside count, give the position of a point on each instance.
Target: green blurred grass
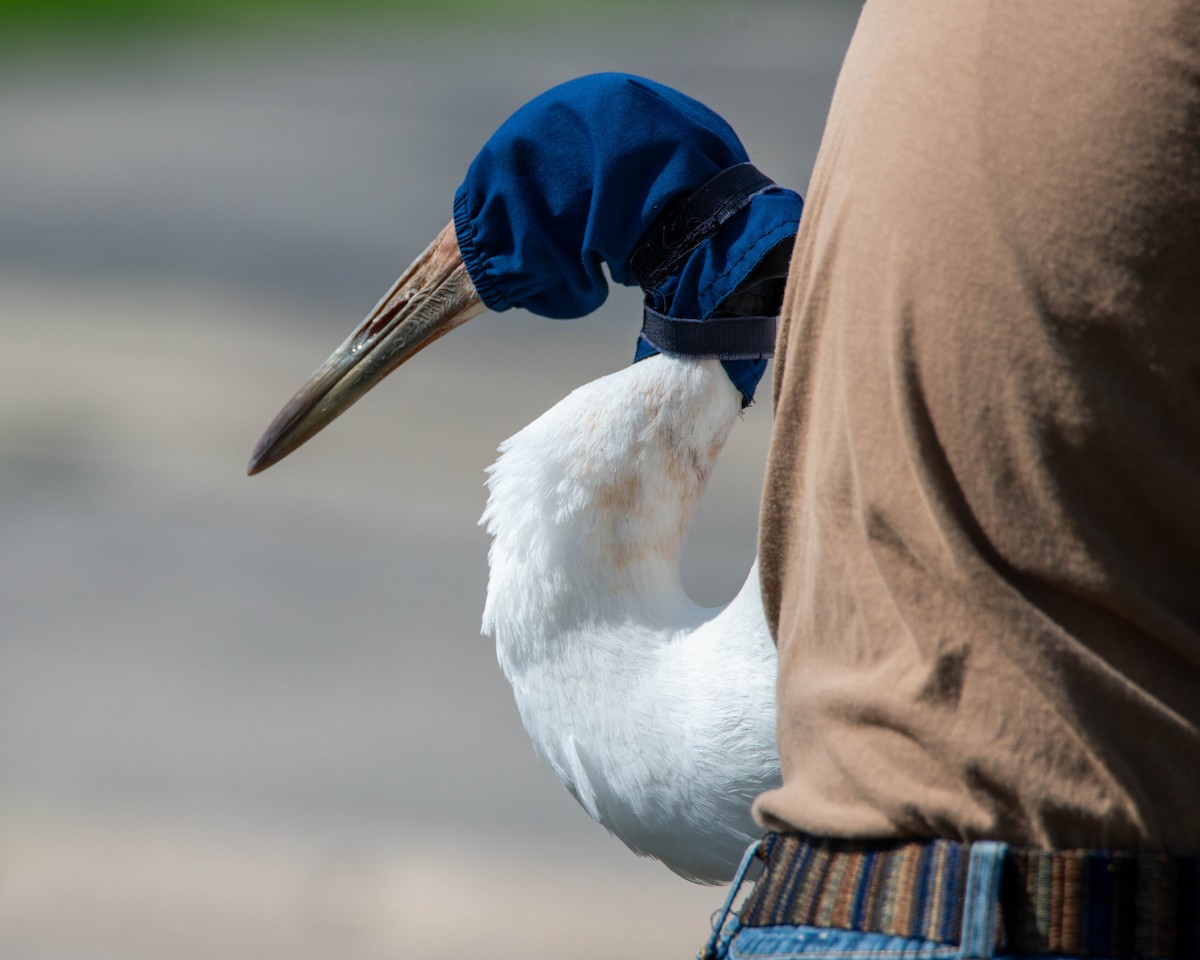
(34, 18)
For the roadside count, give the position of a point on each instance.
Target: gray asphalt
(248, 717)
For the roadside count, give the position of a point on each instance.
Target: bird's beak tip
(259, 461)
(269, 451)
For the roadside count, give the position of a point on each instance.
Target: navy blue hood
(577, 176)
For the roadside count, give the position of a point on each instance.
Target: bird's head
(606, 169)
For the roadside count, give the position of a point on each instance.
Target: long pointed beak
(432, 297)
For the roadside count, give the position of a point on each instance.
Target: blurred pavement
(255, 718)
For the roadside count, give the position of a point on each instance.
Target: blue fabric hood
(577, 176)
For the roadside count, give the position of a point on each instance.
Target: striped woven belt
(1079, 902)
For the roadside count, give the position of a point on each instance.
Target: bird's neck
(589, 505)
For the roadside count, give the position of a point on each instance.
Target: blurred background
(255, 718)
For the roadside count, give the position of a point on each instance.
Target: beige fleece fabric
(980, 535)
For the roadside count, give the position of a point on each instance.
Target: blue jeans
(730, 939)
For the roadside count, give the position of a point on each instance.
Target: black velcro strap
(692, 219)
(722, 338)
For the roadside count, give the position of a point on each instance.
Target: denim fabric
(781, 943)
(778, 943)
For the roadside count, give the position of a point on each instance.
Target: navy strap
(689, 221)
(723, 338)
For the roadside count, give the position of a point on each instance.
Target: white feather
(657, 714)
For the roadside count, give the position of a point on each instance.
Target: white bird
(655, 713)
